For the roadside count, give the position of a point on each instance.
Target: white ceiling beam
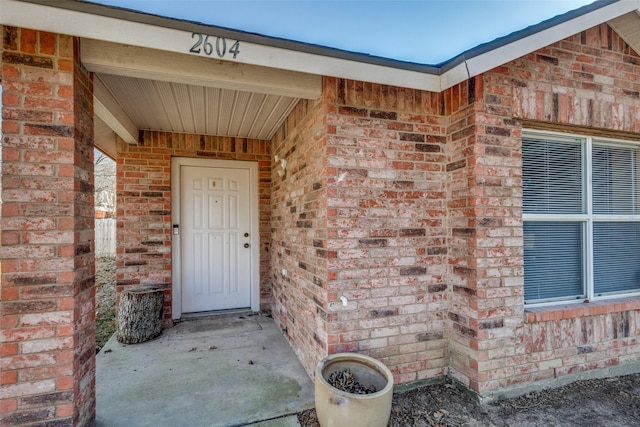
(104, 138)
(132, 61)
(109, 111)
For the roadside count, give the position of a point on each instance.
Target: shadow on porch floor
(230, 370)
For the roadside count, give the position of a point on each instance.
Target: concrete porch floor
(227, 370)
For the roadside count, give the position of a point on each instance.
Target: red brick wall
(485, 233)
(144, 204)
(461, 230)
(590, 80)
(84, 243)
(380, 239)
(48, 339)
(588, 84)
(298, 237)
(405, 202)
(387, 225)
(578, 338)
(424, 221)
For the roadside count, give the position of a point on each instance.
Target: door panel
(215, 212)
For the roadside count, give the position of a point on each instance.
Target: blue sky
(422, 31)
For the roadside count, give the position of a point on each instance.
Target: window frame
(587, 218)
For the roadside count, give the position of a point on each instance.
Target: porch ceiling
(139, 88)
(178, 107)
(182, 108)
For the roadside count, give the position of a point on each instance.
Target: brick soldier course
(408, 203)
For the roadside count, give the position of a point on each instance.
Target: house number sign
(204, 45)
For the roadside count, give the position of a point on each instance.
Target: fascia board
(342, 68)
(99, 27)
(126, 60)
(85, 25)
(453, 76)
(503, 54)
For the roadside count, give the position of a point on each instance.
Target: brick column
(485, 236)
(47, 309)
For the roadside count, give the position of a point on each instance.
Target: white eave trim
(86, 25)
(152, 64)
(81, 24)
(503, 54)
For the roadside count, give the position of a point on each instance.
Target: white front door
(216, 264)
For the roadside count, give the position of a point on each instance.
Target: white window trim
(586, 219)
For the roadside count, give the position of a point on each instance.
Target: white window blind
(552, 176)
(615, 180)
(553, 266)
(616, 257)
(581, 203)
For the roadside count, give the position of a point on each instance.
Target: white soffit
(628, 27)
(142, 88)
(183, 108)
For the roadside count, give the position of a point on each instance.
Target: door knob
(246, 245)
(246, 234)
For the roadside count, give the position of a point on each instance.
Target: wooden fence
(105, 237)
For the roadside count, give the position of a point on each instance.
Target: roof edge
(521, 34)
(246, 36)
(341, 63)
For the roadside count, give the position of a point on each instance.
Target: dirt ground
(609, 402)
(105, 300)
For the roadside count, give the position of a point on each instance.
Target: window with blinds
(552, 176)
(615, 180)
(581, 204)
(553, 260)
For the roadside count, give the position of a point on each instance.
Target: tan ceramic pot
(336, 408)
